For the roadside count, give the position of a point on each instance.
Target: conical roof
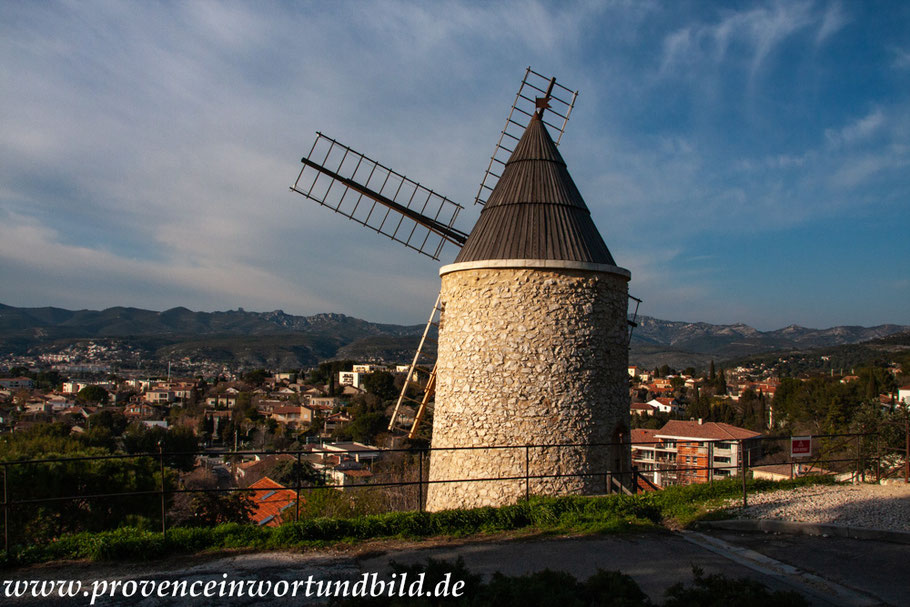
(535, 211)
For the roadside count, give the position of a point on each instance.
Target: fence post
(527, 472)
(711, 462)
(878, 457)
(860, 471)
(742, 457)
(907, 445)
(634, 480)
(420, 481)
(163, 512)
(299, 470)
(5, 510)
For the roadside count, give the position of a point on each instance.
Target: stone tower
(532, 343)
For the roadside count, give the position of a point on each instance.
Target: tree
(46, 520)
(93, 394)
(48, 380)
(721, 382)
(711, 372)
(177, 440)
(215, 508)
(364, 428)
(114, 421)
(382, 384)
(256, 377)
(286, 472)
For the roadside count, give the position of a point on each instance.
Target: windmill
(534, 293)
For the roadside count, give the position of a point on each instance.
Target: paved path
(830, 571)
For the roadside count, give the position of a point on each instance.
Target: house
(334, 421)
(664, 404)
(351, 378)
(139, 410)
(350, 450)
(633, 371)
(344, 467)
(182, 390)
(267, 406)
(38, 406)
(289, 377)
(367, 369)
(59, 402)
(160, 396)
(642, 409)
(903, 394)
(221, 400)
(324, 403)
(17, 383)
(346, 474)
(292, 415)
(271, 500)
(687, 452)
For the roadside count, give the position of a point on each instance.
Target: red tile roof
(270, 500)
(643, 435)
(706, 430)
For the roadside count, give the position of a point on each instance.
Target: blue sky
(747, 161)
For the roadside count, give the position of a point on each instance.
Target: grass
(673, 507)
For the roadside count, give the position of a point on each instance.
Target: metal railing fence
(844, 453)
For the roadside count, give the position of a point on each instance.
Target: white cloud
(857, 131)
(901, 58)
(833, 21)
(757, 30)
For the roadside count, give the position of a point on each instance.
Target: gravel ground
(884, 507)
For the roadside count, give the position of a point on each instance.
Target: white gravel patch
(885, 507)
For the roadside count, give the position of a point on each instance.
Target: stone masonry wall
(528, 357)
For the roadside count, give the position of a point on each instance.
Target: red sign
(800, 446)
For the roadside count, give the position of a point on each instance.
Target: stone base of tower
(529, 356)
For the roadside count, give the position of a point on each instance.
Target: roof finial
(543, 103)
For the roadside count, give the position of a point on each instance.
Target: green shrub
(606, 514)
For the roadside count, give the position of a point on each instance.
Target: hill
(278, 339)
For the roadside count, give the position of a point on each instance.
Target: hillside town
(686, 426)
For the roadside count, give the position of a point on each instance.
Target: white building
(352, 378)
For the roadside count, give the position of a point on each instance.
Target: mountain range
(280, 339)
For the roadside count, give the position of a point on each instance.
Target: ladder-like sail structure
(377, 197)
(556, 98)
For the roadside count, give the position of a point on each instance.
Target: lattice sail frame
(351, 184)
(561, 101)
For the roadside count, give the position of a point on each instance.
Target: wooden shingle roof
(535, 211)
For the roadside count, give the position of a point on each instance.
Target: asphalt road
(829, 571)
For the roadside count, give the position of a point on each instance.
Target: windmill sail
(535, 88)
(377, 197)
